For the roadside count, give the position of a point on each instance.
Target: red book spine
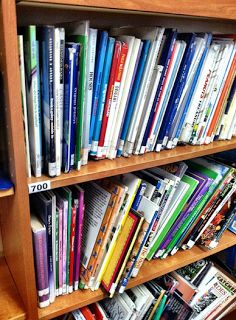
(72, 252)
(119, 57)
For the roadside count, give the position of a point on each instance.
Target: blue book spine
(193, 87)
(48, 99)
(134, 94)
(139, 195)
(100, 58)
(74, 100)
(102, 96)
(39, 111)
(178, 87)
(164, 61)
(67, 116)
(126, 279)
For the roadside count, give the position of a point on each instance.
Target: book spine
(64, 248)
(134, 94)
(115, 95)
(114, 66)
(74, 103)
(60, 251)
(139, 196)
(92, 41)
(24, 103)
(100, 57)
(83, 40)
(57, 251)
(33, 99)
(40, 249)
(102, 96)
(72, 248)
(59, 49)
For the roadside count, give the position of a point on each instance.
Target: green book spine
(67, 194)
(160, 308)
(192, 185)
(83, 41)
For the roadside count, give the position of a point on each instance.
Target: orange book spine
(220, 102)
(116, 193)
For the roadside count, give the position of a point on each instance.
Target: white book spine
(127, 81)
(122, 91)
(24, 103)
(143, 91)
(200, 89)
(147, 110)
(92, 41)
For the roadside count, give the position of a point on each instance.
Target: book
(102, 95)
(40, 258)
(70, 104)
(32, 72)
(78, 32)
(116, 308)
(91, 56)
(58, 92)
(24, 103)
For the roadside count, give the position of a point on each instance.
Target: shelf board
(10, 302)
(7, 193)
(107, 168)
(150, 270)
(213, 9)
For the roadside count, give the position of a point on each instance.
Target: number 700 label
(39, 186)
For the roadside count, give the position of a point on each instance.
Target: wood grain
(150, 270)
(15, 213)
(10, 302)
(213, 9)
(106, 168)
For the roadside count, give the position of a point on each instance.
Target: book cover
(40, 260)
(32, 72)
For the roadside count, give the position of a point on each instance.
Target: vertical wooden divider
(14, 210)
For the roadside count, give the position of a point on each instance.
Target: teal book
(160, 308)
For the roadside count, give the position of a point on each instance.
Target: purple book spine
(64, 248)
(40, 249)
(60, 255)
(129, 94)
(184, 214)
(79, 237)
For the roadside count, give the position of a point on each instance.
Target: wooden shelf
(150, 270)
(106, 168)
(10, 302)
(7, 193)
(213, 9)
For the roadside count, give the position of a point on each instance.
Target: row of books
(100, 233)
(200, 291)
(131, 91)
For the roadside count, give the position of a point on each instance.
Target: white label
(39, 186)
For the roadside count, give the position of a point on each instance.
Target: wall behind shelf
(1, 248)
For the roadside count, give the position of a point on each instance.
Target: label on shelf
(39, 186)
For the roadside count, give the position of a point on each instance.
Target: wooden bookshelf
(11, 306)
(106, 168)
(214, 8)
(194, 15)
(7, 193)
(150, 270)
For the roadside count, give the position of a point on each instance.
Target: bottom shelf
(10, 302)
(150, 270)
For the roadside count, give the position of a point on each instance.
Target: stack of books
(199, 291)
(100, 233)
(131, 91)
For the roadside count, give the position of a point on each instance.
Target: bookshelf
(15, 225)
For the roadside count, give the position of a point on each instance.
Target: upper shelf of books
(106, 168)
(213, 9)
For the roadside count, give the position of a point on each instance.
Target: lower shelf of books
(10, 302)
(149, 270)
